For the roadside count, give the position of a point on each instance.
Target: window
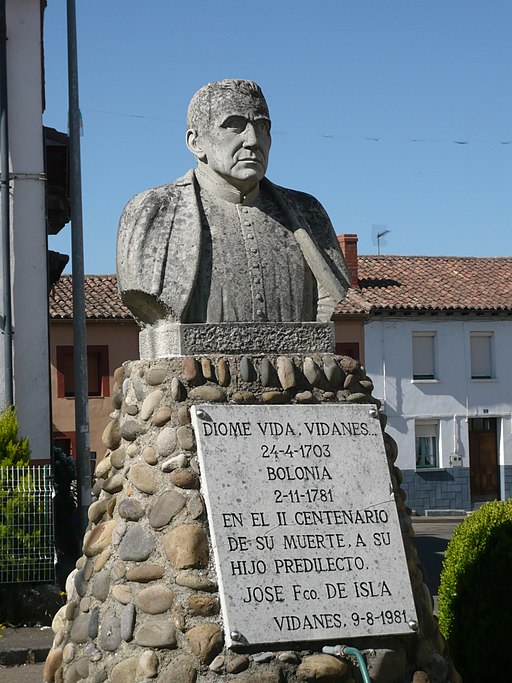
(66, 441)
(97, 371)
(348, 349)
(423, 358)
(427, 455)
(481, 355)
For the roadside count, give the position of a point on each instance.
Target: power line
(329, 136)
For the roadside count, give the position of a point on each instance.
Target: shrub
(67, 545)
(13, 450)
(475, 594)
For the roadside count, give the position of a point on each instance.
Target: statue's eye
(236, 124)
(261, 126)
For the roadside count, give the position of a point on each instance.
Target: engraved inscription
(304, 529)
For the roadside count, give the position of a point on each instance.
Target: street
(431, 539)
(28, 673)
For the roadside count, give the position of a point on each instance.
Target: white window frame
(427, 340)
(485, 340)
(428, 432)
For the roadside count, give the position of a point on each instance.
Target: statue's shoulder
(295, 199)
(150, 201)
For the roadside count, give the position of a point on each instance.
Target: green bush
(13, 449)
(475, 594)
(67, 545)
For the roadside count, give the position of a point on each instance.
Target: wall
(451, 399)
(28, 251)
(347, 331)
(122, 341)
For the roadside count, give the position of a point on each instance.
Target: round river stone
(166, 506)
(137, 545)
(143, 478)
(144, 573)
(206, 641)
(156, 634)
(98, 538)
(325, 668)
(149, 404)
(111, 437)
(187, 546)
(161, 416)
(130, 509)
(166, 441)
(154, 599)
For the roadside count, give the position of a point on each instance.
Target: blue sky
(395, 114)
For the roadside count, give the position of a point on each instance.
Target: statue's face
(236, 143)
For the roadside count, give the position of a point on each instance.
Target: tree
(14, 451)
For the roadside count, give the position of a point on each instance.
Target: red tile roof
(431, 283)
(387, 283)
(102, 300)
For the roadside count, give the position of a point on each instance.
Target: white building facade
(28, 251)
(437, 340)
(445, 387)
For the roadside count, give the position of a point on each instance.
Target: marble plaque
(304, 525)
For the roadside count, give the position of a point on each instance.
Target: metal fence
(26, 525)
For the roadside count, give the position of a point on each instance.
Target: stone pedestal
(166, 340)
(144, 603)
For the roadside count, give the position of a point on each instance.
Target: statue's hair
(212, 95)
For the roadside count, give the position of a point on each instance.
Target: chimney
(348, 244)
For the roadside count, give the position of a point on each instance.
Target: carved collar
(224, 190)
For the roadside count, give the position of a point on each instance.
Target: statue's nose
(250, 136)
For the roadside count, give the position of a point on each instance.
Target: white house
(32, 212)
(437, 345)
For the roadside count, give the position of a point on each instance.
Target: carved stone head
(229, 132)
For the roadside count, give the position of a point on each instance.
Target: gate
(26, 525)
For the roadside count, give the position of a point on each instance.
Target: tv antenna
(379, 233)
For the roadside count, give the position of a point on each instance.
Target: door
(483, 459)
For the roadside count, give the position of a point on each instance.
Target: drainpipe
(6, 323)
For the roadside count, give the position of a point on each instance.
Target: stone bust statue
(223, 244)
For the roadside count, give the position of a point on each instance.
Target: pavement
(28, 673)
(24, 649)
(24, 645)
(431, 537)
(22, 653)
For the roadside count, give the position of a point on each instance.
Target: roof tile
(387, 283)
(102, 300)
(433, 283)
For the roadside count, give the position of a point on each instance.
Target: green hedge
(14, 450)
(475, 594)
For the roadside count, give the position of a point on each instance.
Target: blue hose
(342, 650)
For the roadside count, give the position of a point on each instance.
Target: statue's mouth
(252, 160)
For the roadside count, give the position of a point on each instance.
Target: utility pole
(83, 457)
(5, 239)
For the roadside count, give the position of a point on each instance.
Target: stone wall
(506, 478)
(144, 603)
(447, 489)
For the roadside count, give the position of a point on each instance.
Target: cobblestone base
(143, 602)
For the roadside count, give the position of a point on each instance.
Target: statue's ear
(194, 144)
